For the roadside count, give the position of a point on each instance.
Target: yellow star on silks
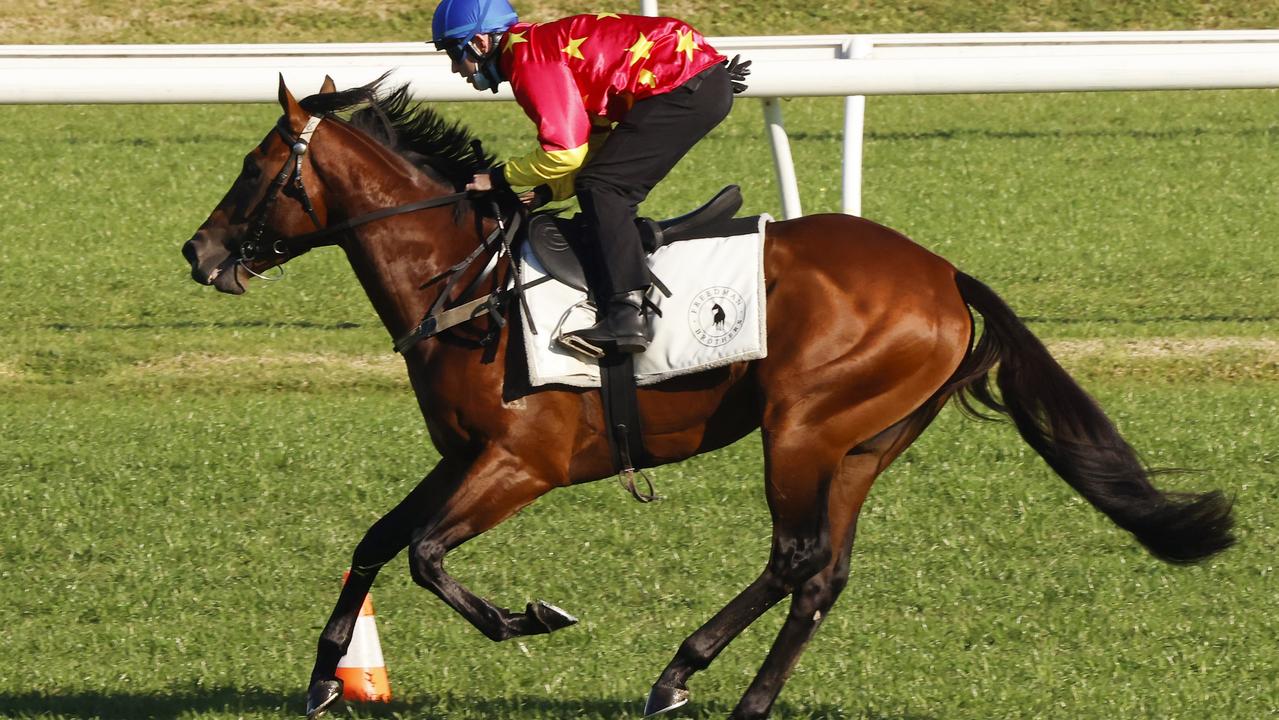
(601, 16)
(572, 50)
(687, 44)
(640, 49)
(646, 78)
(513, 39)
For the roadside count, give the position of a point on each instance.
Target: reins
(308, 240)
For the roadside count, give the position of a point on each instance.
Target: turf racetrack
(183, 475)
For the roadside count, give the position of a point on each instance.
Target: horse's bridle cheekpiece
(252, 248)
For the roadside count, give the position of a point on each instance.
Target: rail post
(787, 185)
(854, 132)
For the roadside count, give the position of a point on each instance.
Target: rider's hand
(480, 183)
(537, 197)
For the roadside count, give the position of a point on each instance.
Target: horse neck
(394, 257)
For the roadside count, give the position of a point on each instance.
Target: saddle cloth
(714, 316)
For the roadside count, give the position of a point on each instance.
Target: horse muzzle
(212, 264)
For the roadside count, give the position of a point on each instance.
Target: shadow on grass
(123, 705)
(238, 702)
(206, 325)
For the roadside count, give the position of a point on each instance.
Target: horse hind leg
(806, 444)
(812, 601)
(797, 478)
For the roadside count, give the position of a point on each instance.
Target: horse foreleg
(496, 487)
(382, 542)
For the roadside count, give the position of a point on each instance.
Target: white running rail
(851, 66)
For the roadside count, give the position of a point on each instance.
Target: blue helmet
(464, 19)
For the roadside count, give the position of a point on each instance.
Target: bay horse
(870, 335)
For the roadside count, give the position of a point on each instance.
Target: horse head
(274, 198)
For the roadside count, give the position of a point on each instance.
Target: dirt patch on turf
(1172, 359)
(1227, 358)
(274, 370)
(208, 362)
(1166, 347)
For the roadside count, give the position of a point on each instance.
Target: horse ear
(289, 104)
(329, 86)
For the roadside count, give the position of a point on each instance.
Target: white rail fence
(850, 66)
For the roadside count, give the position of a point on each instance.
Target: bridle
(440, 315)
(254, 248)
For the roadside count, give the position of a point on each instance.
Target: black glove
(737, 72)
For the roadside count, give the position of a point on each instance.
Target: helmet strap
(487, 63)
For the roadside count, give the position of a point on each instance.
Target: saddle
(553, 239)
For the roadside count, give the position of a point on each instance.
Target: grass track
(981, 587)
(183, 475)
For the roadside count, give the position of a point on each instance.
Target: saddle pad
(714, 316)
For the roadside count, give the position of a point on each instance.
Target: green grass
(183, 474)
(176, 553)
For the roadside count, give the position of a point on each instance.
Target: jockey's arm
(562, 187)
(552, 168)
(566, 135)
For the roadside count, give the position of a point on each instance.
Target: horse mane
(414, 131)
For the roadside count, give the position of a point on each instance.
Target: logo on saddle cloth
(716, 315)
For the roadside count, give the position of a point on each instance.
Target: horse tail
(1070, 431)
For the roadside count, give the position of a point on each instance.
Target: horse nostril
(189, 252)
(195, 251)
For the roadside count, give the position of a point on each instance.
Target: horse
(870, 335)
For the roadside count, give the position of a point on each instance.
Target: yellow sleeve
(543, 166)
(562, 185)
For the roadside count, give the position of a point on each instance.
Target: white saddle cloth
(714, 316)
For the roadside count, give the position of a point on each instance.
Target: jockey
(617, 101)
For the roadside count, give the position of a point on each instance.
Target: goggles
(455, 49)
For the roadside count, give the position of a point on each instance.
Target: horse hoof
(550, 617)
(664, 699)
(321, 696)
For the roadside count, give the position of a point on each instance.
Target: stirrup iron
(574, 343)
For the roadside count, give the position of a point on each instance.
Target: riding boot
(624, 326)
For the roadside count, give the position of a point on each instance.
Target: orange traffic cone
(362, 670)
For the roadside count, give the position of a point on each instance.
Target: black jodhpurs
(638, 153)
